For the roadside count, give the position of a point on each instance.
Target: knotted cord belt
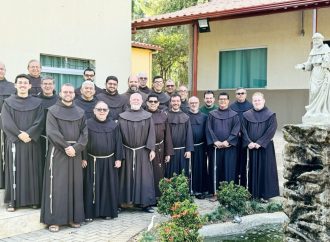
(51, 176)
(199, 144)
(2, 149)
(94, 172)
(134, 156)
(215, 169)
(13, 150)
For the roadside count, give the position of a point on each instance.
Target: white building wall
(99, 30)
(280, 33)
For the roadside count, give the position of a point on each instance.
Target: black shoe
(148, 210)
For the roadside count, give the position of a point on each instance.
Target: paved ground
(127, 224)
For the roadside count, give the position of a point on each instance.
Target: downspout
(195, 54)
(314, 21)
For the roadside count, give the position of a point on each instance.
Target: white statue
(318, 63)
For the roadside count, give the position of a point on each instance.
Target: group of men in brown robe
(134, 139)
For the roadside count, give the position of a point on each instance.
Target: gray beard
(135, 107)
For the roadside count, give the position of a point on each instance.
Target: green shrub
(219, 214)
(184, 224)
(175, 189)
(147, 237)
(274, 207)
(233, 197)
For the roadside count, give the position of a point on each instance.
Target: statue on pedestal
(318, 63)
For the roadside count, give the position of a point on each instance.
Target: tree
(172, 62)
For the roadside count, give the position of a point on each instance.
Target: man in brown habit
(164, 146)
(62, 201)
(6, 89)
(115, 101)
(136, 174)
(34, 69)
(22, 121)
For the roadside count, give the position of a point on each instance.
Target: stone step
(23, 220)
(2, 197)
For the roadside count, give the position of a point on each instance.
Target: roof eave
(231, 14)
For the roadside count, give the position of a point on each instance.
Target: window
(243, 68)
(65, 69)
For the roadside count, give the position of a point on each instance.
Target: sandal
(10, 208)
(73, 225)
(54, 228)
(213, 199)
(263, 200)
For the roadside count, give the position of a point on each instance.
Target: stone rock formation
(307, 189)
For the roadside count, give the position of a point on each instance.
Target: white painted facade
(97, 30)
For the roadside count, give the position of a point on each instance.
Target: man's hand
(117, 163)
(70, 151)
(167, 158)
(218, 144)
(252, 145)
(257, 146)
(225, 144)
(84, 163)
(25, 137)
(187, 155)
(152, 155)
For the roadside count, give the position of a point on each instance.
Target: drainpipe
(314, 21)
(195, 53)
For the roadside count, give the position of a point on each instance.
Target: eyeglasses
(143, 78)
(240, 93)
(158, 82)
(87, 75)
(102, 109)
(169, 85)
(223, 99)
(152, 101)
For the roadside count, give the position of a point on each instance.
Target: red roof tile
(146, 46)
(218, 9)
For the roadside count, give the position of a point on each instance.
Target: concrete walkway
(128, 223)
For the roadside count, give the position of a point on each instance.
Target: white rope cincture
(13, 150)
(215, 170)
(52, 177)
(199, 144)
(160, 142)
(134, 156)
(51, 180)
(94, 171)
(2, 150)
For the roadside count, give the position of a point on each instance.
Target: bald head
(135, 101)
(194, 104)
(2, 71)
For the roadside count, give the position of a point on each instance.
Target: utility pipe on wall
(314, 21)
(195, 54)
